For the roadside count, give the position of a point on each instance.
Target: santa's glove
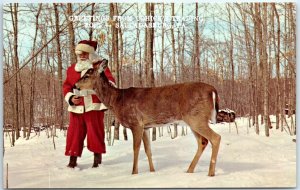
(112, 84)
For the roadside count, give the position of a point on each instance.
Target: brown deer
(139, 109)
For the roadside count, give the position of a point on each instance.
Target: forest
(247, 51)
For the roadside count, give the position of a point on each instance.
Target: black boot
(97, 159)
(73, 162)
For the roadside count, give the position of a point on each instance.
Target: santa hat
(88, 46)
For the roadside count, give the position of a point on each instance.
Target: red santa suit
(86, 119)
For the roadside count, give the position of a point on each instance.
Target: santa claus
(86, 109)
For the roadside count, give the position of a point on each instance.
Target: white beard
(83, 65)
(88, 63)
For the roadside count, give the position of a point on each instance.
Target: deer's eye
(85, 77)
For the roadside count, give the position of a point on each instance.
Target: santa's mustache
(86, 61)
(93, 58)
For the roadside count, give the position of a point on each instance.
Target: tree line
(246, 50)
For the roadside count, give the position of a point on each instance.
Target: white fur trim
(76, 109)
(88, 104)
(103, 107)
(85, 48)
(84, 92)
(78, 52)
(68, 96)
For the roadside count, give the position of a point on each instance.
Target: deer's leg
(147, 146)
(200, 126)
(137, 134)
(202, 143)
(215, 140)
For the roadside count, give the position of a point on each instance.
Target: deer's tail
(215, 100)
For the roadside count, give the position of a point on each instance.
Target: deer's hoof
(190, 171)
(211, 174)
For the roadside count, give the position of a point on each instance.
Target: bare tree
(60, 111)
(173, 46)
(265, 69)
(182, 54)
(277, 57)
(231, 48)
(92, 21)
(197, 46)
(115, 53)
(173, 58)
(148, 52)
(14, 17)
(33, 77)
(149, 46)
(71, 34)
(162, 53)
(121, 47)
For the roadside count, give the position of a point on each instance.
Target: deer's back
(163, 104)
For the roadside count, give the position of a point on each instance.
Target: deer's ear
(102, 65)
(96, 65)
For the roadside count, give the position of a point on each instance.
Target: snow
(227, 110)
(245, 160)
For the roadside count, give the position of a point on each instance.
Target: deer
(139, 109)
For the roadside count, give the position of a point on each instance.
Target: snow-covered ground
(245, 160)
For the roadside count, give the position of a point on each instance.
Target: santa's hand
(76, 100)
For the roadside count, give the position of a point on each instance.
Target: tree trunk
(196, 47)
(232, 95)
(265, 68)
(162, 47)
(134, 54)
(115, 54)
(71, 35)
(60, 109)
(149, 43)
(182, 51)
(14, 16)
(140, 69)
(92, 21)
(256, 34)
(250, 65)
(173, 47)
(121, 48)
(277, 56)
(33, 77)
